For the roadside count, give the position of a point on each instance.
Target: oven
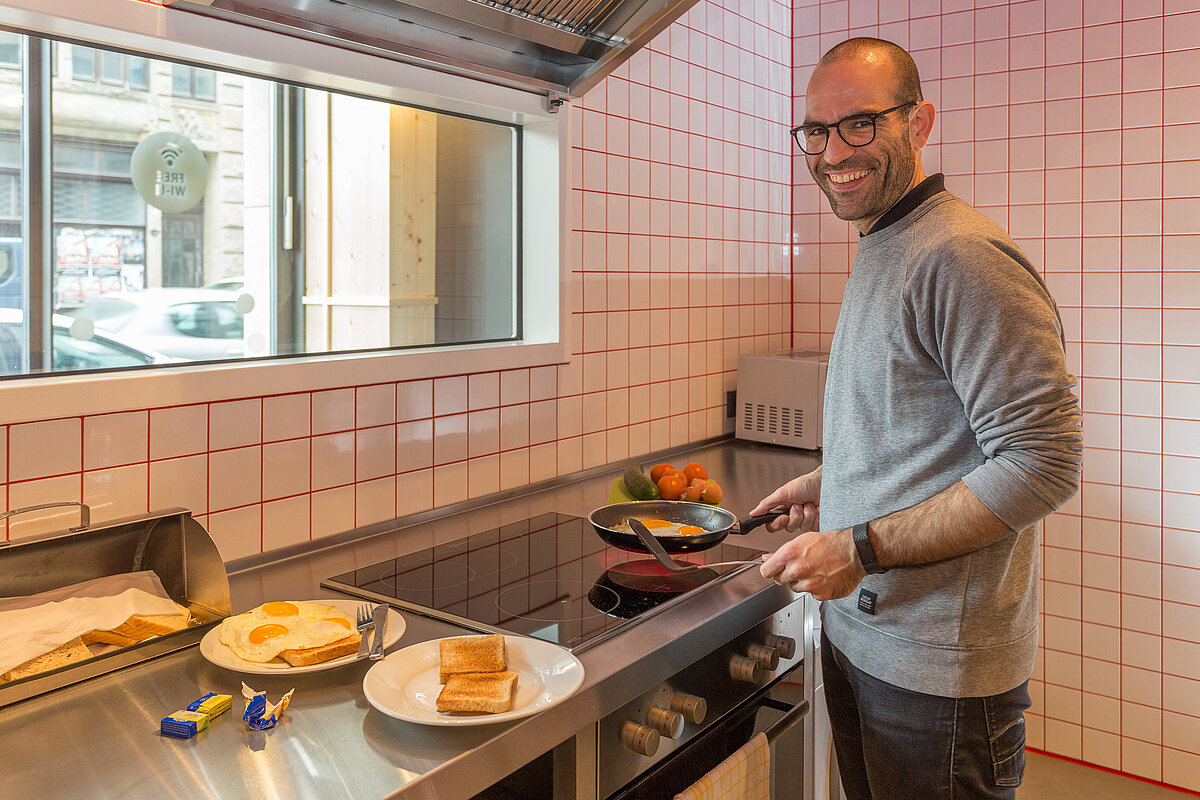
(670, 736)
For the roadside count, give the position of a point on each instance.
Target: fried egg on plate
(262, 633)
(662, 527)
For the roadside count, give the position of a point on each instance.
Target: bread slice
(472, 654)
(480, 692)
(140, 627)
(107, 637)
(69, 653)
(305, 656)
(143, 626)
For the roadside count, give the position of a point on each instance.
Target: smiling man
(950, 431)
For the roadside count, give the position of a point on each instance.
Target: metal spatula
(664, 558)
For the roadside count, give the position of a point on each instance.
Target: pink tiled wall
(1076, 125)
(680, 222)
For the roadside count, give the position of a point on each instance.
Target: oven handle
(788, 720)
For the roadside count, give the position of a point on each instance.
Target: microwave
(781, 397)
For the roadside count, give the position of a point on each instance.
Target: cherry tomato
(691, 494)
(670, 487)
(693, 471)
(711, 493)
(659, 470)
(679, 474)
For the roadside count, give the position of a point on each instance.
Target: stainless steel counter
(100, 738)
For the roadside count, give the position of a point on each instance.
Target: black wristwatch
(866, 553)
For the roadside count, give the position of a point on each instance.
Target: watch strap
(866, 553)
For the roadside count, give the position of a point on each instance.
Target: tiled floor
(1048, 778)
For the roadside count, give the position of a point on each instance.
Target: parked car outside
(234, 284)
(193, 324)
(99, 351)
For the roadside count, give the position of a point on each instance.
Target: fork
(362, 619)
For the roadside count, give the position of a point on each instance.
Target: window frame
(545, 170)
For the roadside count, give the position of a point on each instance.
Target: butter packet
(183, 724)
(212, 704)
(261, 715)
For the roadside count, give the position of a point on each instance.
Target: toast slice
(306, 656)
(69, 653)
(479, 692)
(140, 627)
(107, 637)
(143, 626)
(472, 654)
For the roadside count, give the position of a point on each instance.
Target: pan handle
(747, 524)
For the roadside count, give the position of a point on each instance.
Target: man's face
(861, 182)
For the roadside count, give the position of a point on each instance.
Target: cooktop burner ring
(561, 596)
(450, 575)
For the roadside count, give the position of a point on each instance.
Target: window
(193, 82)
(83, 63)
(114, 69)
(10, 49)
(321, 221)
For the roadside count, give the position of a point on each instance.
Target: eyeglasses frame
(871, 115)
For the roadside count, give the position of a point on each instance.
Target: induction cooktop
(551, 577)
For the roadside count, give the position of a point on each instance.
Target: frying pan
(717, 523)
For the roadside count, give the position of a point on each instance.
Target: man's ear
(921, 124)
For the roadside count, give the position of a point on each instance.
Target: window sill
(74, 395)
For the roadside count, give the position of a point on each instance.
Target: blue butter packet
(259, 714)
(183, 724)
(212, 704)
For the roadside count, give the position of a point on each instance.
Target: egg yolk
(656, 523)
(345, 623)
(690, 530)
(264, 632)
(280, 609)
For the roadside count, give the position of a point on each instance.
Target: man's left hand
(823, 563)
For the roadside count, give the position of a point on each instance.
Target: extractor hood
(557, 47)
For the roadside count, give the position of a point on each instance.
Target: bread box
(170, 544)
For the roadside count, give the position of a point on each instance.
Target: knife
(379, 615)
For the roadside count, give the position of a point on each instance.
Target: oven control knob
(767, 656)
(745, 669)
(668, 723)
(786, 645)
(640, 739)
(693, 708)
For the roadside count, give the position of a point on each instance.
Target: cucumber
(639, 483)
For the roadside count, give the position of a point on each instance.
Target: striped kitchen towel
(745, 775)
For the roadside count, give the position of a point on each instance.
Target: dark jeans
(893, 744)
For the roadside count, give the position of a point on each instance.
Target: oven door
(778, 711)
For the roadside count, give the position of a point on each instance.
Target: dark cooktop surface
(551, 577)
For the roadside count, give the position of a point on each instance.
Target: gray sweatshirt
(947, 364)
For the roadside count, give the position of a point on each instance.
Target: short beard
(902, 163)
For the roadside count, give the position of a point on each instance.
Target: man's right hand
(802, 497)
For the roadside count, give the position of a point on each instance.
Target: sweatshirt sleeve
(978, 307)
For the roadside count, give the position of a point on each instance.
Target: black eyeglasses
(856, 130)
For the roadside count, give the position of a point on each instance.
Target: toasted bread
(305, 656)
(471, 654)
(143, 626)
(69, 653)
(479, 692)
(107, 637)
(140, 627)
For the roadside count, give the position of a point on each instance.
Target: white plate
(212, 649)
(405, 684)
